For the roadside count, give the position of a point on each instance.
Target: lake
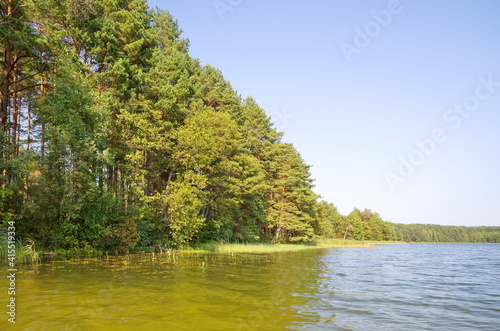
(397, 287)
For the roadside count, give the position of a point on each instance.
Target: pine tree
(327, 220)
(290, 199)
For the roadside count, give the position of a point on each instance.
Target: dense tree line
(446, 233)
(113, 136)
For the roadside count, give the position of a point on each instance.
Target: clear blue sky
(355, 103)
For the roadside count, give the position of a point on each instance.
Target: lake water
(389, 287)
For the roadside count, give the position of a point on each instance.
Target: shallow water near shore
(416, 286)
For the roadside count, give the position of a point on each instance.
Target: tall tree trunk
(16, 115)
(146, 182)
(43, 93)
(28, 133)
(346, 230)
(278, 233)
(4, 107)
(7, 67)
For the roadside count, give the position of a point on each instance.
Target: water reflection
(424, 287)
(175, 291)
(405, 287)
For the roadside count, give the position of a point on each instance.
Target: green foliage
(7, 217)
(127, 140)
(442, 233)
(358, 225)
(290, 200)
(122, 236)
(184, 205)
(327, 220)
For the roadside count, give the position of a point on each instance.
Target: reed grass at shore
(248, 248)
(25, 253)
(18, 253)
(340, 243)
(270, 248)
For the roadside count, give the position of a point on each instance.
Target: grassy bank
(247, 248)
(340, 243)
(271, 248)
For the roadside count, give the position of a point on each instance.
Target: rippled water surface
(389, 287)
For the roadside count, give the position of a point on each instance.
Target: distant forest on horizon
(114, 138)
